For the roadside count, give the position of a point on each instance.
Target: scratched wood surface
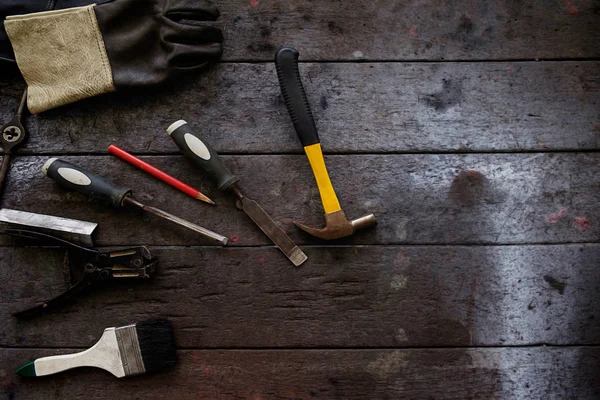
(470, 129)
(373, 296)
(461, 373)
(420, 199)
(412, 30)
(370, 107)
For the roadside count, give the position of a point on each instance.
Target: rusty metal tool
(88, 267)
(12, 134)
(201, 154)
(77, 179)
(337, 224)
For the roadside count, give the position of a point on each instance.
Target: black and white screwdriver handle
(77, 179)
(201, 154)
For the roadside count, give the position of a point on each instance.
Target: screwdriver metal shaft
(78, 179)
(179, 221)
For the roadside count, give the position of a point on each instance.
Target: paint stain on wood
(398, 282)
(402, 261)
(265, 31)
(466, 187)
(467, 33)
(572, 9)
(324, 104)
(334, 28)
(554, 218)
(261, 48)
(582, 224)
(8, 389)
(555, 284)
(401, 335)
(450, 95)
(387, 363)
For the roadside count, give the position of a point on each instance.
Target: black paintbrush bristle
(157, 344)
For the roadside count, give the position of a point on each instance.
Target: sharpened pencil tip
(205, 199)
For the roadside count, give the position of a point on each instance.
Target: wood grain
(480, 280)
(417, 199)
(371, 107)
(501, 373)
(372, 296)
(411, 30)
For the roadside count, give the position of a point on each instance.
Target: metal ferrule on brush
(129, 349)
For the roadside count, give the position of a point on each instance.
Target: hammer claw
(338, 226)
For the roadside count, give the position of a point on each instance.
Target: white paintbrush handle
(104, 354)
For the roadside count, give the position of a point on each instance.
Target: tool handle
(286, 62)
(77, 179)
(58, 301)
(201, 154)
(104, 354)
(4, 172)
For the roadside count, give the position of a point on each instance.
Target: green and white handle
(104, 354)
(78, 179)
(201, 154)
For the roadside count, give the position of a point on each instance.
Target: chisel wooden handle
(201, 154)
(286, 62)
(77, 179)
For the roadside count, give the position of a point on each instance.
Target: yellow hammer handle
(317, 163)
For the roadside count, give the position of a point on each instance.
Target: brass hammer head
(337, 225)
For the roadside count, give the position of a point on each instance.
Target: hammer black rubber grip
(201, 154)
(286, 62)
(77, 179)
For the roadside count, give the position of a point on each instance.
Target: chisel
(201, 154)
(77, 179)
(72, 230)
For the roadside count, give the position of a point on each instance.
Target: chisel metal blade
(273, 231)
(73, 230)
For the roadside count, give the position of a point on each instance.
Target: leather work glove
(71, 54)
(15, 7)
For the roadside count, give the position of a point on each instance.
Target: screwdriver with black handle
(202, 155)
(73, 177)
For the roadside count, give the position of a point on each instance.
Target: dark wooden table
(471, 129)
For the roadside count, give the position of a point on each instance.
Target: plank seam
(325, 246)
(321, 348)
(24, 153)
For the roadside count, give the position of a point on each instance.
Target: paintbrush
(140, 348)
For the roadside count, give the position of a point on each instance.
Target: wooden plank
(500, 373)
(373, 296)
(374, 107)
(418, 199)
(412, 30)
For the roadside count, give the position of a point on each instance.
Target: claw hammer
(337, 224)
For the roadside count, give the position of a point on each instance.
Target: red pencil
(144, 166)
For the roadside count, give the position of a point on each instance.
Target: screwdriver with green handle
(74, 178)
(202, 155)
